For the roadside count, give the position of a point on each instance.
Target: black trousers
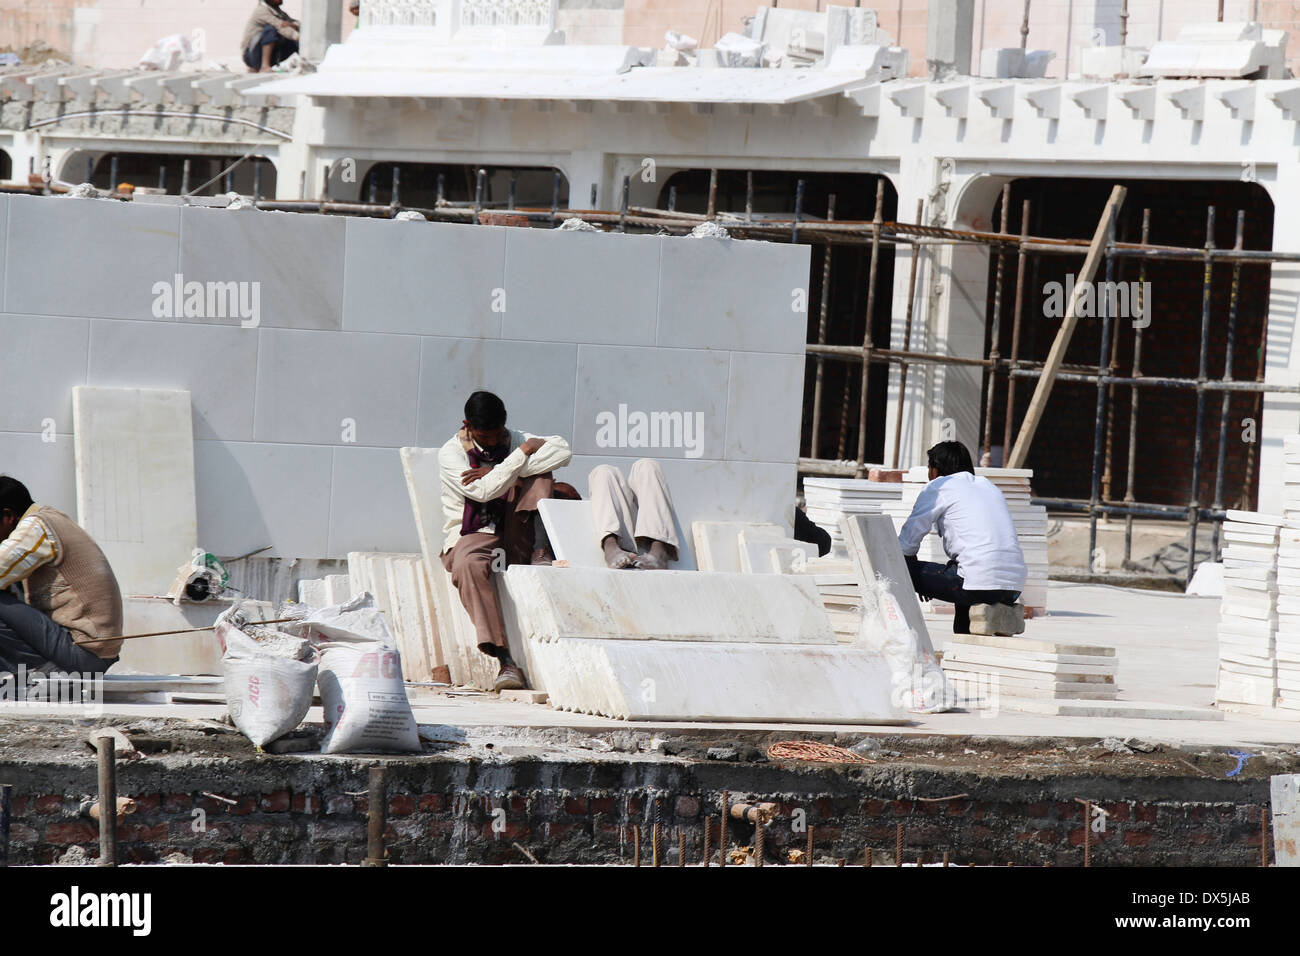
(32, 639)
(281, 48)
(942, 582)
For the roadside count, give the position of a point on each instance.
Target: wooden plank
(1042, 392)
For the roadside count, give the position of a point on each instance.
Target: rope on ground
(812, 751)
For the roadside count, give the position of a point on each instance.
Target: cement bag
(270, 677)
(360, 677)
(918, 680)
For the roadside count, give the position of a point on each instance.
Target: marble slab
(717, 543)
(134, 455)
(653, 680)
(873, 545)
(765, 552)
(603, 604)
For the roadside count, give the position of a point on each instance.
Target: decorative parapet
(452, 15)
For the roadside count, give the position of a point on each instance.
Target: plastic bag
(270, 677)
(918, 681)
(360, 677)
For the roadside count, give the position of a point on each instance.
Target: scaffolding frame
(877, 232)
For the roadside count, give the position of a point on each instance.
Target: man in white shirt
(985, 563)
(492, 479)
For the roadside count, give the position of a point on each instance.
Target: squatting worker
(72, 597)
(492, 479)
(985, 564)
(270, 36)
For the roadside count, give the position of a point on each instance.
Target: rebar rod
(1099, 423)
(995, 332)
(1202, 367)
(823, 318)
(1134, 394)
(1021, 262)
(1234, 297)
(866, 332)
(907, 342)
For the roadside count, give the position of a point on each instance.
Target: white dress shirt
(976, 527)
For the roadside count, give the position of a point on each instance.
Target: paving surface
(1167, 654)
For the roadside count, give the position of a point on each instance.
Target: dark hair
(14, 496)
(950, 457)
(485, 410)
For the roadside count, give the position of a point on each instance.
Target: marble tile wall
(369, 334)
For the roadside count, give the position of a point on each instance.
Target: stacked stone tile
(827, 500)
(1031, 529)
(1248, 618)
(1287, 642)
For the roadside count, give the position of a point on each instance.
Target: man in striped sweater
(70, 615)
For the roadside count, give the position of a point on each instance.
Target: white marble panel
(730, 294)
(603, 604)
(218, 365)
(252, 495)
(764, 406)
(43, 358)
(135, 481)
(581, 287)
(717, 543)
(656, 680)
(621, 387)
(369, 507)
(536, 380)
(47, 468)
(332, 388)
(111, 254)
(295, 258)
(704, 490)
(421, 277)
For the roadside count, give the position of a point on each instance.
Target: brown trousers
(470, 561)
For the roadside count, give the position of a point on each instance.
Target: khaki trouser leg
(638, 506)
(470, 564)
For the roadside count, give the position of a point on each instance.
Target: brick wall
(288, 811)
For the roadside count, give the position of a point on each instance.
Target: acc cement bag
(270, 677)
(360, 677)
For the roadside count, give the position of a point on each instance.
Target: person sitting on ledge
(71, 620)
(985, 564)
(270, 36)
(492, 479)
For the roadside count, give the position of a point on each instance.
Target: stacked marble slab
(689, 645)
(760, 547)
(1286, 644)
(1031, 530)
(1018, 667)
(1248, 615)
(827, 500)
(402, 593)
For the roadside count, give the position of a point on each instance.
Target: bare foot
(542, 557)
(656, 559)
(616, 557)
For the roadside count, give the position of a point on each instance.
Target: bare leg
(267, 48)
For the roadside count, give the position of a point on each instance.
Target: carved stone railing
(451, 15)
